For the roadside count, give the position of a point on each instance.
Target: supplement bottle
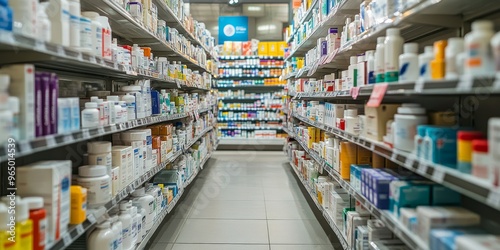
(24, 225)
(479, 60)
(408, 63)
(99, 153)
(102, 238)
(424, 62)
(126, 220)
(97, 182)
(96, 32)
(74, 30)
(453, 49)
(379, 63)
(393, 47)
(37, 215)
(90, 115)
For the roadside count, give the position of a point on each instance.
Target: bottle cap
(34, 202)
(482, 25)
(131, 88)
(125, 206)
(92, 171)
(134, 136)
(354, 60)
(480, 145)
(392, 32)
(469, 135)
(4, 217)
(91, 105)
(369, 53)
(104, 224)
(361, 59)
(410, 48)
(22, 210)
(90, 14)
(381, 39)
(429, 50)
(4, 82)
(98, 147)
(113, 98)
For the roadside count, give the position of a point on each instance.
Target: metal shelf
(78, 230)
(336, 230)
(247, 76)
(303, 19)
(244, 98)
(463, 86)
(219, 86)
(251, 141)
(252, 128)
(248, 109)
(245, 66)
(171, 206)
(249, 57)
(39, 144)
(123, 24)
(463, 183)
(248, 119)
(389, 220)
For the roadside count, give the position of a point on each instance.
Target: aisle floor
(243, 200)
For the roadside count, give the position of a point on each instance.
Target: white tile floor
(243, 201)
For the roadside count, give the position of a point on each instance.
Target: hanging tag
(377, 95)
(354, 92)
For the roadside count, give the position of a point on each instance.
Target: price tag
(85, 134)
(465, 84)
(377, 95)
(422, 168)
(494, 198)
(419, 85)
(115, 128)
(438, 175)
(51, 141)
(394, 156)
(100, 130)
(354, 92)
(409, 161)
(79, 229)
(68, 138)
(67, 239)
(91, 218)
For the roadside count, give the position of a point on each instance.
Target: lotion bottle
(408, 63)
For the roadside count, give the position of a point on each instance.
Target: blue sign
(233, 28)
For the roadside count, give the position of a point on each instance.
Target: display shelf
(389, 220)
(249, 57)
(414, 22)
(166, 13)
(171, 206)
(246, 76)
(326, 215)
(123, 24)
(244, 66)
(75, 231)
(251, 141)
(227, 86)
(20, 49)
(248, 119)
(253, 128)
(240, 98)
(307, 15)
(43, 143)
(248, 109)
(463, 183)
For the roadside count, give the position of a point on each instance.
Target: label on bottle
(85, 34)
(42, 227)
(106, 43)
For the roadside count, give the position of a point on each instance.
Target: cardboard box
(376, 120)
(263, 49)
(281, 48)
(273, 48)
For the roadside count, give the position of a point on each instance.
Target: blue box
(441, 195)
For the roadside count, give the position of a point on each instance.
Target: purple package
(333, 31)
(38, 104)
(47, 130)
(324, 48)
(54, 94)
(381, 190)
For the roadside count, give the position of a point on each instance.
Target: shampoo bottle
(424, 61)
(438, 64)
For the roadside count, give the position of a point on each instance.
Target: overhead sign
(233, 28)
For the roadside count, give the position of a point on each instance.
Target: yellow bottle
(78, 205)
(5, 243)
(24, 226)
(438, 67)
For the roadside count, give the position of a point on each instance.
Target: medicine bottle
(479, 59)
(38, 216)
(408, 63)
(74, 31)
(90, 115)
(96, 32)
(407, 119)
(99, 153)
(97, 182)
(379, 62)
(24, 225)
(147, 202)
(102, 238)
(127, 221)
(78, 204)
(393, 47)
(106, 37)
(5, 243)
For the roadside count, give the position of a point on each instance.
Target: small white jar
(100, 153)
(97, 182)
(102, 237)
(90, 115)
(407, 119)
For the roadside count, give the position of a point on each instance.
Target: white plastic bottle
(379, 60)
(408, 63)
(102, 238)
(96, 32)
(131, 109)
(124, 115)
(352, 73)
(117, 226)
(136, 224)
(141, 221)
(115, 109)
(126, 220)
(74, 27)
(106, 38)
(453, 49)
(424, 63)
(96, 180)
(370, 67)
(43, 25)
(24, 16)
(393, 47)
(495, 45)
(479, 59)
(146, 201)
(90, 115)
(58, 12)
(86, 43)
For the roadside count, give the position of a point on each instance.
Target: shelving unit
(247, 83)
(471, 100)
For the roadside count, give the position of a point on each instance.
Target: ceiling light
(254, 8)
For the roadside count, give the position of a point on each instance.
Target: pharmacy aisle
(255, 204)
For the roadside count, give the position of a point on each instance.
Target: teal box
(356, 175)
(444, 239)
(442, 143)
(441, 195)
(408, 194)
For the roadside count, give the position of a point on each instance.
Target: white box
(121, 156)
(477, 242)
(22, 85)
(54, 189)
